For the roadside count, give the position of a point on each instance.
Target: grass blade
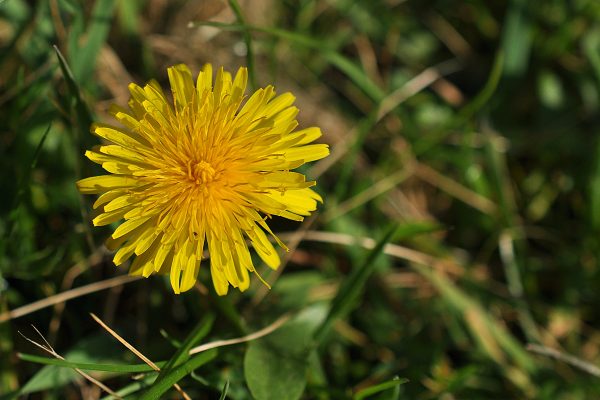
(345, 65)
(183, 353)
(247, 40)
(517, 38)
(469, 110)
(370, 391)
(490, 334)
(164, 382)
(85, 61)
(124, 368)
(351, 289)
(224, 391)
(81, 120)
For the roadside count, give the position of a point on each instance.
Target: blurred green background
(467, 129)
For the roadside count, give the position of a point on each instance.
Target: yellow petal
(264, 248)
(128, 226)
(204, 82)
(278, 104)
(103, 183)
(248, 111)
(301, 201)
(273, 163)
(146, 240)
(109, 217)
(182, 85)
(107, 197)
(127, 249)
(123, 153)
(307, 153)
(113, 244)
(229, 263)
(179, 261)
(161, 255)
(125, 118)
(219, 282)
(309, 134)
(242, 261)
(116, 135)
(222, 87)
(190, 270)
(141, 263)
(284, 181)
(120, 202)
(239, 85)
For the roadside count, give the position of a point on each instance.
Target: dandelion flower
(204, 171)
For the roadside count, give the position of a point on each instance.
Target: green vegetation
(455, 255)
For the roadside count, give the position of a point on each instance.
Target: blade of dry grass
(455, 189)
(566, 358)
(138, 353)
(66, 296)
(253, 336)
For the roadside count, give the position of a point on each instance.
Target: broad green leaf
(293, 289)
(276, 366)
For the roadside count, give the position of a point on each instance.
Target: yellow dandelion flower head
(204, 171)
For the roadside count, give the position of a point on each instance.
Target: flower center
(201, 173)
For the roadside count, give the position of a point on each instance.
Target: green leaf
(183, 352)
(247, 40)
(275, 366)
(379, 388)
(82, 117)
(345, 65)
(594, 189)
(94, 350)
(26, 182)
(517, 38)
(591, 48)
(551, 90)
(484, 96)
(274, 375)
(411, 229)
(462, 303)
(134, 387)
(228, 311)
(292, 289)
(124, 368)
(84, 63)
(164, 383)
(352, 288)
(346, 173)
(224, 391)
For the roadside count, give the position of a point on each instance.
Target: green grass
(471, 128)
